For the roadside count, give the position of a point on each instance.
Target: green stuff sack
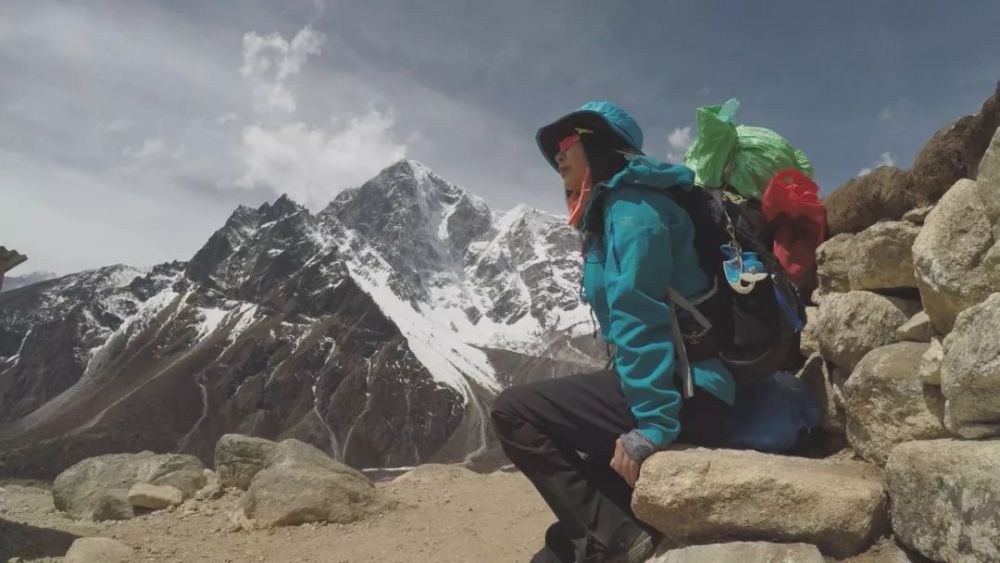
(743, 157)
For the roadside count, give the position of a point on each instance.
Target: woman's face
(572, 163)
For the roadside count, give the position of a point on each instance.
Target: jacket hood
(647, 171)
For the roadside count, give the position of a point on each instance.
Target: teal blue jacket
(646, 247)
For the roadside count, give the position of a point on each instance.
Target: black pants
(544, 427)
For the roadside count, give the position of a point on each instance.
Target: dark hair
(605, 159)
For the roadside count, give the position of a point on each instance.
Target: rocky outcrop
(946, 498)
(948, 255)
(742, 552)
(700, 496)
(98, 488)
(887, 402)
(301, 484)
(99, 550)
(852, 324)
(970, 371)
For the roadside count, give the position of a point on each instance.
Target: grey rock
(930, 363)
(154, 497)
(816, 375)
(881, 256)
(238, 458)
(98, 550)
(970, 371)
(808, 342)
(948, 256)
(946, 498)
(302, 484)
(702, 496)
(887, 403)
(852, 324)
(988, 183)
(917, 329)
(742, 552)
(97, 487)
(833, 262)
(918, 216)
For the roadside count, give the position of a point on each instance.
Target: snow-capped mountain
(379, 330)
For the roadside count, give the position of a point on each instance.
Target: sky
(130, 130)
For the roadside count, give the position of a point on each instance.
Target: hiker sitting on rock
(581, 439)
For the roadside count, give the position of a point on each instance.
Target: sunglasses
(572, 139)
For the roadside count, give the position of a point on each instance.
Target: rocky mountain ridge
(377, 329)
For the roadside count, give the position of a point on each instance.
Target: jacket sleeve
(638, 268)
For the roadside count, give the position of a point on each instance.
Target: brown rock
(833, 261)
(882, 256)
(883, 193)
(917, 329)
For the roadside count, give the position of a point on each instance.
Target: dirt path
(445, 514)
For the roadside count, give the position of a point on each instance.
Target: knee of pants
(505, 412)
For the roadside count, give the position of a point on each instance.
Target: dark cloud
(132, 121)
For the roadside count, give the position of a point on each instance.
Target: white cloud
(269, 60)
(886, 114)
(885, 159)
(151, 147)
(678, 142)
(311, 163)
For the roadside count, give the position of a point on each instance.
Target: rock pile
(903, 348)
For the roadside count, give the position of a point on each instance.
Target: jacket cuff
(637, 446)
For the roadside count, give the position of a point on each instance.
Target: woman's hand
(624, 465)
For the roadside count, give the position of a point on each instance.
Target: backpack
(753, 332)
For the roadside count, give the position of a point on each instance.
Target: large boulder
(946, 498)
(238, 458)
(697, 495)
(948, 256)
(97, 487)
(742, 552)
(852, 324)
(882, 256)
(883, 193)
(99, 550)
(302, 484)
(833, 264)
(887, 403)
(970, 371)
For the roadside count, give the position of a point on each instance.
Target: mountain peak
(282, 207)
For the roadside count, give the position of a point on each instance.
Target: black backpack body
(754, 333)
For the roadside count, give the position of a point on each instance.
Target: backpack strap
(683, 369)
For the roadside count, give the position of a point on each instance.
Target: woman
(581, 439)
